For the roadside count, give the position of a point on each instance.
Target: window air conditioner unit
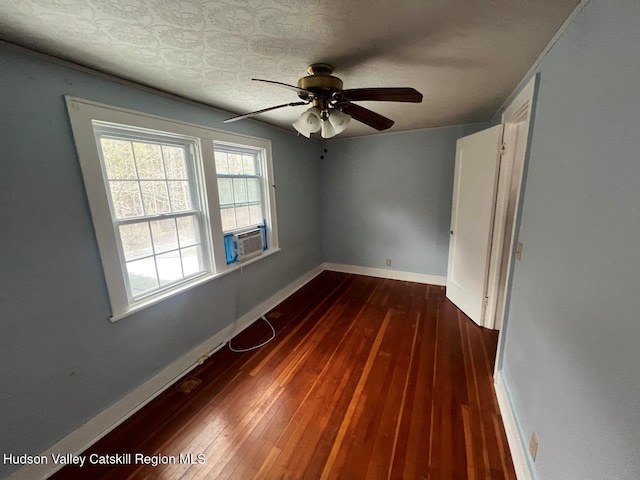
(248, 244)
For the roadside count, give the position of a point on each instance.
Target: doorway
(481, 292)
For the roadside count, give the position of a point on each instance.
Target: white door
(474, 193)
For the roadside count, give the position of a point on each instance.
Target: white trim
(511, 172)
(384, 273)
(521, 106)
(523, 100)
(267, 179)
(103, 423)
(204, 279)
(501, 200)
(544, 52)
(514, 437)
(82, 113)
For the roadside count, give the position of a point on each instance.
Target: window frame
(260, 156)
(82, 114)
(267, 182)
(190, 145)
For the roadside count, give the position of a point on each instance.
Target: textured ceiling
(464, 56)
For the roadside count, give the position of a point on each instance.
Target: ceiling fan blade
(367, 116)
(298, 90)
(257, 112)
(383, 94)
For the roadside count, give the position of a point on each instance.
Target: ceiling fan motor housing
(320, 81)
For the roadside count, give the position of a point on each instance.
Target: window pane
(174, 163)
(169, 267)
(221, 162)
(255, 214)
(142, 276)
(253, 189)
(235, 164)
(118, 158)
(179, 196)
(188, 230)
(149, 160)
(225, 191)
(249, 164)
(192, 260)
(155, 197)
(136, 240)
(240, 190)
(165, 236)
(228, 218)
(242, 216)
(126, 200)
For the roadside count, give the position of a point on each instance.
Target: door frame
(517, 128)
(521, 109)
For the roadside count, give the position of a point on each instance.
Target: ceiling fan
(333, 107)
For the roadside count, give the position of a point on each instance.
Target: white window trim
(82, 113)
(264, 158)
(188, 286)
(195, 180)
(267, 181)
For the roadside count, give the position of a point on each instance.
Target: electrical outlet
(388, 262)
(533, 446)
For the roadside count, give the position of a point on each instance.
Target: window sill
(183, 288)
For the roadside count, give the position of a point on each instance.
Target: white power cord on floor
(242, 350)
(273, 330)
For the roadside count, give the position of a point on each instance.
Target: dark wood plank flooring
(366, 379)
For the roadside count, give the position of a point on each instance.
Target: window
(239, 187)
(155, 206)
(163, 194)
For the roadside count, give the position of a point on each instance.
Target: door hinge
(486, 300)
(503, 149)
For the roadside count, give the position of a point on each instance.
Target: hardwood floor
(366, 379)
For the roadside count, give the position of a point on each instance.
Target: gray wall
(571, 358)
(389, 196)
(53, 300)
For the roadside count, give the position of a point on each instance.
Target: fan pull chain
(323, 149)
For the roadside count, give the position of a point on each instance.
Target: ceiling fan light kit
(312, 121)
(332, 105)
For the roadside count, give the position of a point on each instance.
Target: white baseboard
(514, 437)
(387, 273)
(96, 428)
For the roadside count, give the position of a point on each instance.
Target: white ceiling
(464, 56)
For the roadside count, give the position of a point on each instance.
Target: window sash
(198, 242)
(161, 139)
(258, 167)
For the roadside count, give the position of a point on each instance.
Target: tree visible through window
(153, 208)
(239, 187)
